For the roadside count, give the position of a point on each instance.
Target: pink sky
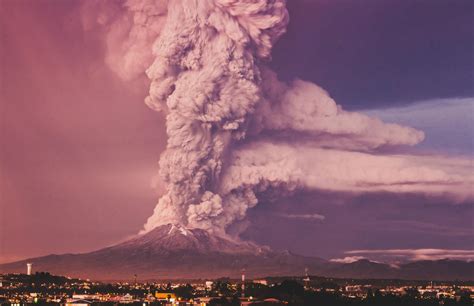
(78, 145)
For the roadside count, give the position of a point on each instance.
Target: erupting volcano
(173, 251)
(237, 134)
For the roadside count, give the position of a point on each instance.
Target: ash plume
(206, 75)
(234, 130)
(130, 28)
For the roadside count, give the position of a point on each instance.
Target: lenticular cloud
(235, 131)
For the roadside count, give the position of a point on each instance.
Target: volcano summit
(173, 251)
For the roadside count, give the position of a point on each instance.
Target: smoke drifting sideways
(235, 131)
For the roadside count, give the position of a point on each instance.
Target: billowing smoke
(235, 131)
(131, 27)
(206, 75)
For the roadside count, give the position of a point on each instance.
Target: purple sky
(380, 53)
(79, 148)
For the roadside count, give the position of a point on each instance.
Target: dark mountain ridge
(174, 252)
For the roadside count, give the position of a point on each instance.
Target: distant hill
(418, 270)
(175, 252)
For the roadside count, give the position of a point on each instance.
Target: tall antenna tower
(243, 282)
(306, 277)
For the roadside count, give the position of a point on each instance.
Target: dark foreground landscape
(44, 288)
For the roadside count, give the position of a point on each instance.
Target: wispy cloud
(416, 254)
(317, 217)
(347, 259)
